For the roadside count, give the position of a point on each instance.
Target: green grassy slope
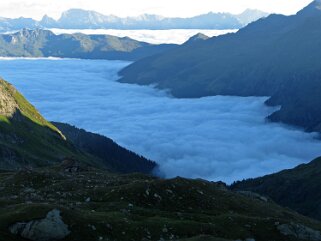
(27, 139)
(25, 108)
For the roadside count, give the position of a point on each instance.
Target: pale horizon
(36, 9)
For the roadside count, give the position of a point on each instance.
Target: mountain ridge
(18, 118)
(28, 140)
(13, 103)
(275, 56)
(298, 188)
(44, 43)
(117, 157)
(86, 19)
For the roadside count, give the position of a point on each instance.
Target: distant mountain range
(83, 19)
(277, 56)
(44, 43)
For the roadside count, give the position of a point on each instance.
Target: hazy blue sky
(182, 8)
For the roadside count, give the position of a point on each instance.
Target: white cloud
(217, 138)
(37, 8)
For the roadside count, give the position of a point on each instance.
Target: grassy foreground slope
(96, 205)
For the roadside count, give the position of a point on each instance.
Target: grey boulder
(299, 231)
(50, 228)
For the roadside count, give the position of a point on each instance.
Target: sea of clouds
(172, 36)
(215, 138)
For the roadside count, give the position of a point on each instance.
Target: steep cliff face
(7, 104)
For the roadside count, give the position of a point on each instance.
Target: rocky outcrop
(71, 165)
(7, 104)
(50, 228)
(299, 231)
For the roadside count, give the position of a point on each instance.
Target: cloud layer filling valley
(215, 138)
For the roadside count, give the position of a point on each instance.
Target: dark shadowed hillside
(117, 157)
(44, 43)
(277, 56)
(298, 188)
